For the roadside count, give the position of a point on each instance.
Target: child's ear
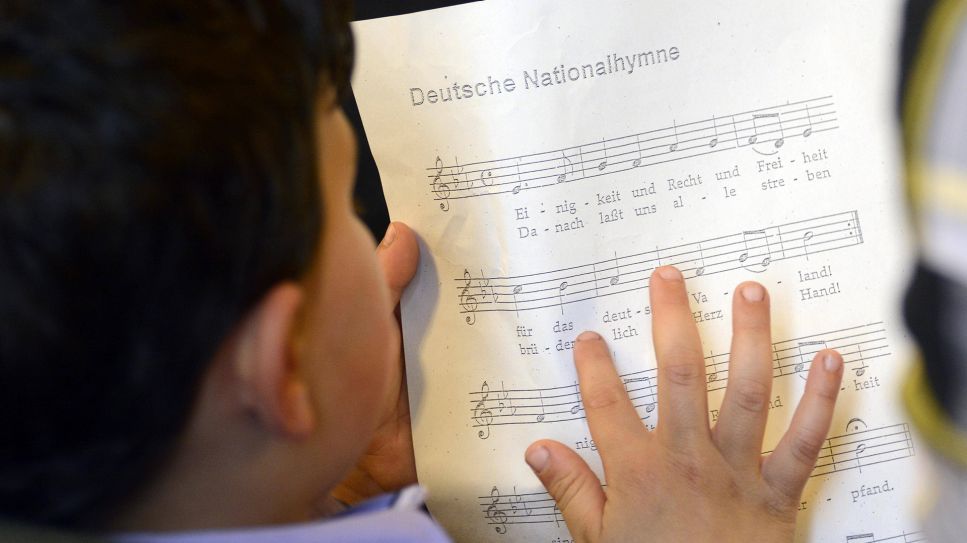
(266, 378)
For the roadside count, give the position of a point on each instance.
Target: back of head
(157, 175)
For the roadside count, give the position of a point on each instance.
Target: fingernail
(537, 457)
(832, 363)
(390, 236)
(588, 336)
(753, 292)
(670, 273)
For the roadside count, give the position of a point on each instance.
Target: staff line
(669, 127)
(505, 306)
(673, 247)
(638, 151)
(606, 276)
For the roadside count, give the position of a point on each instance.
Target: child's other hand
(388, 463)
(686, 481)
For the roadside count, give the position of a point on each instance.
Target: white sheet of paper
(550, 154)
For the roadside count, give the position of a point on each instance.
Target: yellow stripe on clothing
(936, 427)
(944, 190)
(941, 30)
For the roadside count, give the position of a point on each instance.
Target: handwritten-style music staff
(751, 250)
(765, 128)
(495, 405)
(854, 450)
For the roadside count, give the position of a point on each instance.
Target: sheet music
(551, 154)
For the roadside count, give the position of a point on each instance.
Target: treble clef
(495, 514)
(468, 301)
(441, 188)
(482, 414)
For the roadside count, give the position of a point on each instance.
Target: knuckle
(682, 372)
(641, 476)
(734, 490)
(689, 470)
(750, 395)
(805, 446)
(604, 397)
(782, 506)
(565, 486)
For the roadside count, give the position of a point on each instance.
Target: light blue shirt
(391, 518)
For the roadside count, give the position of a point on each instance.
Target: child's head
(173, 295)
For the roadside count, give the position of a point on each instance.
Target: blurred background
(370, 204)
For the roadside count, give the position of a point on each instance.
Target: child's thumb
(570, 481)
(398, 256)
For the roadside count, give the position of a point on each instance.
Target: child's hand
(685, 481)
(388, 463)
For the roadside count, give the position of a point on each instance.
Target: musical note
(755, 127)
(809, 129)
(891, 443)
(755, 131)
(637, 162)
(782, 132)
(517, 187)
(860, 449)
(712, 372)
(565, 163)
(715, 139)
(647, 386)
(577, 407)
(806, 357)
(544, 169)
(604, 163)
(862, 367)
(864, 447)
(751, 250)
(563, 403)
(614, 280)
(560, 294)
(806, 238)
(700, 270)
(650, 406)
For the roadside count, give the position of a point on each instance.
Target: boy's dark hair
(157, 176)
